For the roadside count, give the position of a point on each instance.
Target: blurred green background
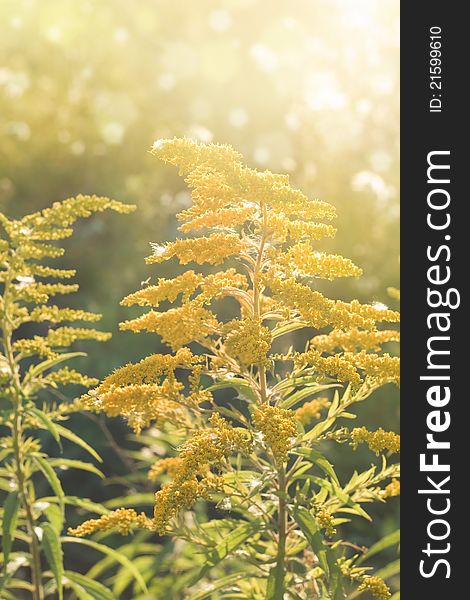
(305, 87)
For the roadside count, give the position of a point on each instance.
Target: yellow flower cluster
(172, 498)
(311, 410)
(166, 289)
(247, 340)
(337, 367)
(325, 520)
(56, 338)
(312, 306)
(213, 249)
(171, 466)
(392, 489)
(302, 258)
(205, 449)
(223, 218)
(142, 404)
(177, 326)
(284, 228)
(354, 339)
(139, 393)
(279, 428)
(345, 314)
(376, 586)
(67, 376)
(380, 368)
(378, 441)
(149, 369)
(122, 519)
(54, 314)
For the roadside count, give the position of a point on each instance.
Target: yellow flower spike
(213, 249)
(392, 489)
(278, 426)
(247, 340)
(376, 586)
(122, 519)
(378, 441)
(353, 340)
(307, 262)
(325, 520)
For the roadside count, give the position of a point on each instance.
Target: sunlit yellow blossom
(361, 315)
(224, 218)
(378, 441)
(172, 498)
(325, 520)
(177, 326)
(122, 519)
(278, 426)
(392, 489)
(376, 586)
(304, 259)
(353, 340)
(166, 289)
(207, 448)
(66, 375)
(188, 154)
(381, 368)
(220, 284)
(284, 228)
(149, 369)
(213, 249)
(311, 410)
(247, 340)
(55, 314)
(171, 466)
(337, 366)
(312, 306)
(142, 404)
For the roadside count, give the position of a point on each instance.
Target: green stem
(17, 435)
(282, 536)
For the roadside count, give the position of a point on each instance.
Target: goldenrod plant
(36, 334)
(257, 454)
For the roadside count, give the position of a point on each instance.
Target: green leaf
(118, 557)
(325, 555)
(10, 517)
(318, 459)
(287, 328)
(72, 437)
(96, 590)
(54, 516)
(311, 530)
(53, 551)
(75, 464)
(85, 503)
(237, 383)
(389, 540)
(48, 364)
(48, 424)
(52, 478)
(216, 585)
(390, 570)
(229, 544)
(305, 392)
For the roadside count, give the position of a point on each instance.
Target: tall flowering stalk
(33, 348)
(260, 454)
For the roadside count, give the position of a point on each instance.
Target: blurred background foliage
(306, 87)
